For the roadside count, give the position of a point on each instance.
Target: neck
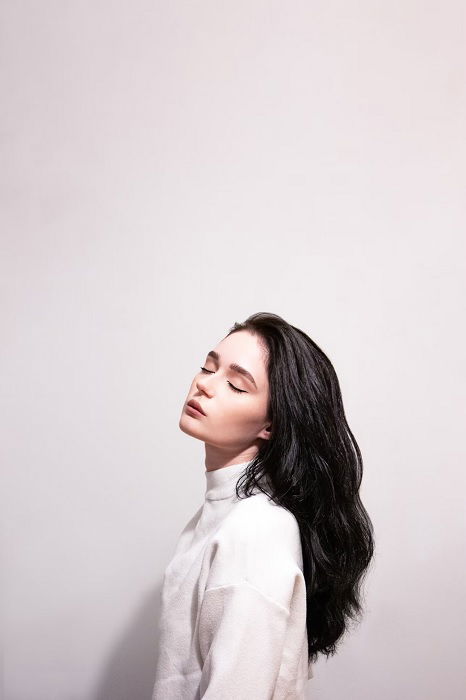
(217, 459)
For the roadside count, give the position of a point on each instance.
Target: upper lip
(196, 404)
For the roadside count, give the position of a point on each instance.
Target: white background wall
(169, 168)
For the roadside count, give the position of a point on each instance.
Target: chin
(189, 427)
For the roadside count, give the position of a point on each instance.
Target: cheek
(242, 414)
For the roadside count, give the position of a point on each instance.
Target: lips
(196, 404)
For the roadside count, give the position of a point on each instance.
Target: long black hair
(313, 467)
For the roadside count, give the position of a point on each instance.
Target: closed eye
(240, 391)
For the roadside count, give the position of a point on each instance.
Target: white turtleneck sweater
(233, 602)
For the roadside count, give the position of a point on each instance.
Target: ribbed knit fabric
(233, 604)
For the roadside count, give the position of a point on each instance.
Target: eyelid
(234, 388)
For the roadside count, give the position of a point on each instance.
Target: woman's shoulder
(257, 543)
(262, 503)
(258, 519)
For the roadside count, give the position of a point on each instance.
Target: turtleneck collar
(221, 483)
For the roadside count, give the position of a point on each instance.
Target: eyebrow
(234, 367)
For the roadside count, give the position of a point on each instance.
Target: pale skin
(235, 423)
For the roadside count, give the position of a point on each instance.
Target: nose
(201, 384)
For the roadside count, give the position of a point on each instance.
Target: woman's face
(235, 422)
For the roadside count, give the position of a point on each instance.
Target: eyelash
(239, 391)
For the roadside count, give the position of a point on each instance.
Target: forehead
(246, 350)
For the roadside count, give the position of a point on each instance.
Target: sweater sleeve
(242, 635)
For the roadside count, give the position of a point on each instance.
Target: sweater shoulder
(257, 519)
(257, 529)
(259, 543)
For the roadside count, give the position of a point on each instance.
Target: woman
(267, 573)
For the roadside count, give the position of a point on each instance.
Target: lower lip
(193, 411)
